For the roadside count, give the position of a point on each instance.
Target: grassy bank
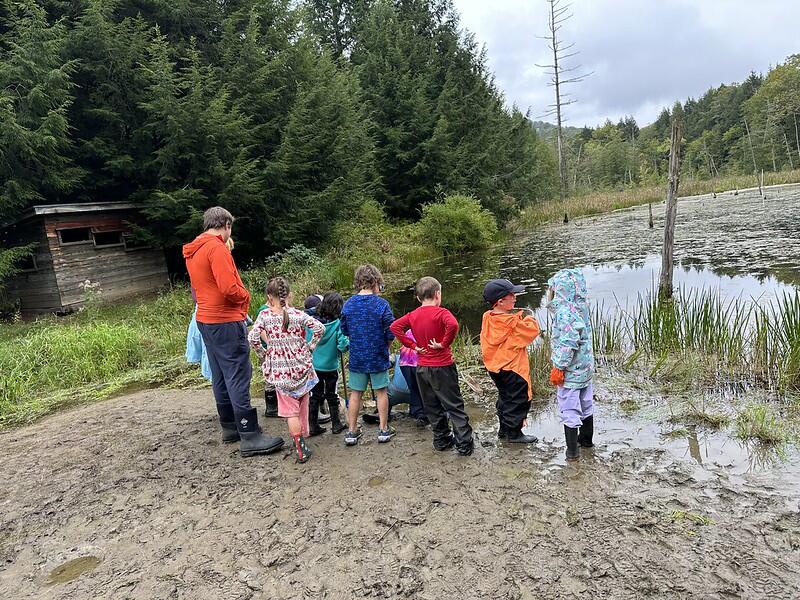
(57, 361)
(594, 203)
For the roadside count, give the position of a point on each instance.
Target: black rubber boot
(336, 423)
(271, 399)
(586, 432)
(227, 421)
(571, 435)
(229, 432)
(252, 441)
(517, 437)
(502, 433)
(313, 418)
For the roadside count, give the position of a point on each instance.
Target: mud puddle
(704, 453)
(72, 569)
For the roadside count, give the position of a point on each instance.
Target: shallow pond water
(738, 244)
(741, 245)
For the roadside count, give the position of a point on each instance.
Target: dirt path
(142, 484)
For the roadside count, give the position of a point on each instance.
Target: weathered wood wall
(37, 290)
(119, 272)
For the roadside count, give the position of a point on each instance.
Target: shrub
(458, 224)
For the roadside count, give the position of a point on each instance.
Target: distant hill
(545, 130)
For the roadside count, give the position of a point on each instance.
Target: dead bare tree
(560, 75)
(667, 262)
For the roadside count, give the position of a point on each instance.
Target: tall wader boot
(271, 399)
(252, 441)
(571, 435)
(586, 432)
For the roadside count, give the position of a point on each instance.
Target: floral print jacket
(286, 356)
(571, 334)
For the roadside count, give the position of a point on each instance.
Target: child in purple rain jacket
(572, 357)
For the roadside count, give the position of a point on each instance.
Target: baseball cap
(312, 301)
(497, 289)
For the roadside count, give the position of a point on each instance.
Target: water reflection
(733, 244)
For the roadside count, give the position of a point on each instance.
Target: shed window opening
(104, 239)
(75, 235)
(28, 264)
(135, 243)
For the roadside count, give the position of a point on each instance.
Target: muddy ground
(140, 494)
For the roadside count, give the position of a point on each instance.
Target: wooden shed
(76, 243)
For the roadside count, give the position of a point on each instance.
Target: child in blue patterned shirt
(365, 319)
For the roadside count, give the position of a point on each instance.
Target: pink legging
(294, 407)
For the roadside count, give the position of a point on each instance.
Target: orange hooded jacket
(221, 295)
(504, 339)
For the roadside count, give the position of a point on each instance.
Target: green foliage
(35, 93)
(458, 224)
(289, 114)
(759, 421)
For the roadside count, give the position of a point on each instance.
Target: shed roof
(67, 209)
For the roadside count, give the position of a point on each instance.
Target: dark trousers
(231, 371)
(441, 396)
(512, 400)
(325, 390)
(415, 408)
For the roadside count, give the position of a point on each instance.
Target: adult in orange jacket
(505, 336)
(222, 303)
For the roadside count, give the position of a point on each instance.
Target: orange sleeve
(525, 332)
(226, 276)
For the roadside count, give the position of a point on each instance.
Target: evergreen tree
(324, 167)
(106, 115)
(200, 149)
(35, 94)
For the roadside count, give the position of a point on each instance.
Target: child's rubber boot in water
(302, 451)
(251, 440)
(271, 399)
(314, 427)
(336, 423)
(571, 435)
(586, 432)
(517, 437)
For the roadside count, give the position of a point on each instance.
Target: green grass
(595, 203)
(760, 421)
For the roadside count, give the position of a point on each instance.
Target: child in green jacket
(326, 362)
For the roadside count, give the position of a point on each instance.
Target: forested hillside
(289, 114)
(732, 129)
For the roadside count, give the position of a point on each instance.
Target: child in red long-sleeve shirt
(434, 328)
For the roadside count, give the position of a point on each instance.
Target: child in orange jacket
(505, 336)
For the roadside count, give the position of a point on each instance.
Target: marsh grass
(595, 203)
(760, 421)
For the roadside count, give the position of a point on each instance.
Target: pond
(737, 244)
(741, 245)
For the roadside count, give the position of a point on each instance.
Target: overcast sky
(645, 54)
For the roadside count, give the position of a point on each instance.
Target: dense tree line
(289, 114)
(739, 128)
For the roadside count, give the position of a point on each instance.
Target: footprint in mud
(72, 569)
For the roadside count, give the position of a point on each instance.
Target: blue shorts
(358, 381)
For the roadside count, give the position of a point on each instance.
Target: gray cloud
(644, 54)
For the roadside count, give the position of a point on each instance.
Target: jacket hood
(569, 288)
(500, 326)
(201, 240)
